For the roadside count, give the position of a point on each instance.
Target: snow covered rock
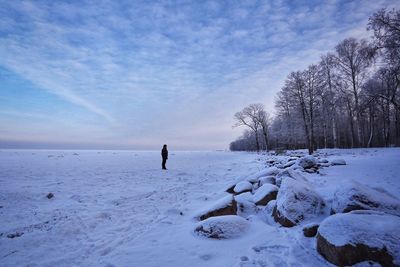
(356, 196)
(307, 162)
(311, 170)
(338, 162)
(230, 189)
(222, 227)
(323, 161)
(245, 204)
(266, 180)
(243, 186)
(264, 194)
(350, 238)
(296, 201)
(225, 206)
(269, 208)
(291, 174)
(310, 230)
(266, 172)
(289, 164)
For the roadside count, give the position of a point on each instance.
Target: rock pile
(362, 225)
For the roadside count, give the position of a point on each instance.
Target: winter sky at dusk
(138, 74)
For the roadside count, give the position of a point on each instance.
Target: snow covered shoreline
(117, 208)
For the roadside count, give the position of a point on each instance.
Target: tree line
(350, 98)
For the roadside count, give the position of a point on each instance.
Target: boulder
(291, 174)
(311, 170)
(50, 195)
(264, 194)
(358, 236)
(310, 230)
(356, 196)
(296, 201)
(338, 162)
(266, 172)
(323, 161)
(243, 186)
(225, 206)
(307, 162)
(266, 180)
(230, 189)
(245, 204)
(222, 227)
(289, 164)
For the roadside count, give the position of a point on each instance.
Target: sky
(138, 74)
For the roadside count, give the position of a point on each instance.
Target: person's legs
(163, 163)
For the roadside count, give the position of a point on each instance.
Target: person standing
(164, 154)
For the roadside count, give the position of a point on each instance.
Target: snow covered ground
(118, 208)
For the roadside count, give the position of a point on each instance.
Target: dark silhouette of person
(164, 154)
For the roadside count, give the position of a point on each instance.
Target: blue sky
(138, 74)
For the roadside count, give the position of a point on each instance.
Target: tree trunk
(371, 126)
(257, 142)
(335, 143)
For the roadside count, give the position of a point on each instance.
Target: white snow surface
(371, 228)
(118, 208)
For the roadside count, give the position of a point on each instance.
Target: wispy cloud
(170, 70)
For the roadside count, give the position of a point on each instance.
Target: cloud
(155, 69)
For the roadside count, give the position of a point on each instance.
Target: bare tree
(350, 99)
(264, 119)
(386, 28)
(249, 117)
(327, 66)
(353, 59)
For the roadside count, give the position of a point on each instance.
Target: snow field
(118, 208)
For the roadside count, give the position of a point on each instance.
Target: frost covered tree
(351, 98)
(353, 59)
(249, 117)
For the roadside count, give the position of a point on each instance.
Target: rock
(289, 173)
(225, 206)
(350, 238)
(266, 180)
(324, 164)
(356, 196)
(50, 195)
(311, 170)
(243, 186)
(296, 201)
(255, 186)
(264, 194)
(266, 172)
(222, 227)
(289, 164)
(14, 235)
(245, 204)
(323, 161)
(269, 208)
(307, 162)
(310, 230)
(244, 258)
(338, 162)
(230, 189)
